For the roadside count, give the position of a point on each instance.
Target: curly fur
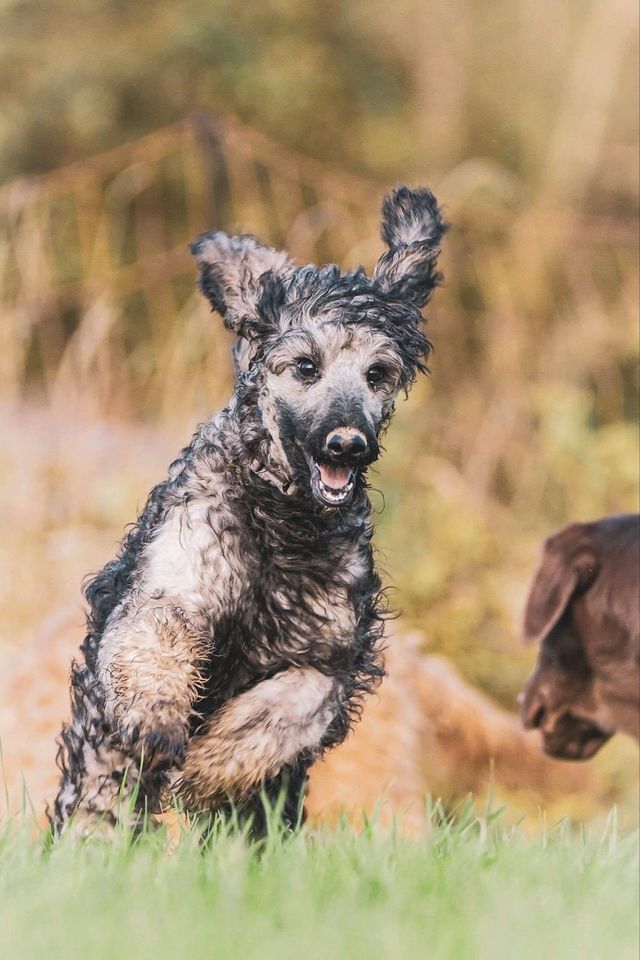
(234, 636)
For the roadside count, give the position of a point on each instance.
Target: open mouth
(332, 485)
(579, 743)
(591, 742)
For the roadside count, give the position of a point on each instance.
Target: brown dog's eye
(307, 368)
(375, 375)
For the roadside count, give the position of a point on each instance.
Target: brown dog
(584, 611)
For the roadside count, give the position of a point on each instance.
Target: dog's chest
(268, 600)
(279, 619)
(299, 609)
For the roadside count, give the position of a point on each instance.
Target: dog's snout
(535, 714)
(346, 442)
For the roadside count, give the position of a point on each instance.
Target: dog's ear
(569, 564)
(242, 279)
(412, 228)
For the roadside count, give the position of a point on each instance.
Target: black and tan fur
(233, 637)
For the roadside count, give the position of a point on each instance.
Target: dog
(584, 611)
(233, 638)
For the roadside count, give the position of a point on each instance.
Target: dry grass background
(522, 118)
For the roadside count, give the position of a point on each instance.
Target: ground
(472, 890)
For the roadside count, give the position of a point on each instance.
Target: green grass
(470, 889)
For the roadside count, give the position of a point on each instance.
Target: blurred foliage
(303, 71)
(388, 93)
(522, 115)
(460, 557)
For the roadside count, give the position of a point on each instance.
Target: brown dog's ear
(412, 228)
(568, 564)
(241, 278)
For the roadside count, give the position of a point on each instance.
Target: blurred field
(521, 116)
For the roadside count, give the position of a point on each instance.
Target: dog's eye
(307, 368)
(375, 374)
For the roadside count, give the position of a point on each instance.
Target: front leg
(251, 738)
(285, 793)
(150, 665)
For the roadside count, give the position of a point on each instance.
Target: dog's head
(328, 352)
(582, 610)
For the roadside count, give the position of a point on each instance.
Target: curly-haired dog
(234, 636)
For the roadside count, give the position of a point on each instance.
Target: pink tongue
(334, 477)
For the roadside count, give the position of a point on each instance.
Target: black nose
(346, 442)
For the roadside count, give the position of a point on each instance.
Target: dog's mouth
(575, 739)
(331, 484)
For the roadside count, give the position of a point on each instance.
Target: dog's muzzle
(334, 471)
(565, 735)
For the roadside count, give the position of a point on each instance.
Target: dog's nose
(345, 442)
(535, 714)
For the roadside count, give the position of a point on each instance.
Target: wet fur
(235, 635)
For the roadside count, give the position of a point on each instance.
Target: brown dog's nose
(346, 442)
(534, 714)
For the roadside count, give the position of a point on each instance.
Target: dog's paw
(213, 772)
(158, 739)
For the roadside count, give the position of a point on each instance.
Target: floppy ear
(568, 564)
(241, 278)
(412, 228)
